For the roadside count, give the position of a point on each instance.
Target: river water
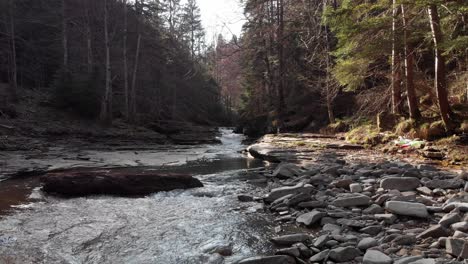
(172, 227)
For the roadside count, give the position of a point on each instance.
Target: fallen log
(119, 182)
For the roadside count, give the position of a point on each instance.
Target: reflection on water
(173, 227)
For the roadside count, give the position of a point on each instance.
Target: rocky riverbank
(339, 203)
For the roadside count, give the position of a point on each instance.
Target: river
(172, 227)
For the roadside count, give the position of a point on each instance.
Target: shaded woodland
(308, 64)
(141, 61)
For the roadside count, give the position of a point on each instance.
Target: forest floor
(341, 202)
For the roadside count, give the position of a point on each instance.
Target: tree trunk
(440, 73)
(89, 39)
(409, 70)
(133, 99)
(396, 65)
(14, 69)
(106, 106)
(125, 64)
(281, 103)
(330, 95)
(65, 35)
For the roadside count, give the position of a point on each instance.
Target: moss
(405, 126)
(366, 135)
(437, 130)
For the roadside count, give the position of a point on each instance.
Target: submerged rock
(84, 182)
(279, 259)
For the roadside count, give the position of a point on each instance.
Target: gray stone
(450, 219)
(288, 240)
(351, 222)
(466, 187)
(404, 240)
(367, 243)
(435, 231)
(445, 184)
(245, 198)
(269, 260)
(376, 257)
(457, 247)
(460, 226)
(371, 230)
(400, 183)
(286, 170)
(407, 260)
(312, 204)
(408, 209)
(321, 241)
(332, 228)
(350, 200)
(298, 198)
(424, 190)
(310, 218)
(292, 251)
(320, 256)
(355, 188)
(387, 218)
(424, 261)
(374, 209)
(343, 254)
(283, 191)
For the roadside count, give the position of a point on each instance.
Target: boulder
(279, 259)
(408, 209)
(400, 183)
(351, 200)
(376, 257)
(123, 182)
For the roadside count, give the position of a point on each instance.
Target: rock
(310, 218)
(223, 249)
(424, 261)
(408, 209)
(400, 183)
(376, 257)
(424, 190)
(321, 241)
(460, 226)
(332, 228)
(387, 218)
(373, 209)
(449, 219)
(404, 240)
(355, 188)
(407, 260)
(286, 171)
(457, 247)
(445, 184)
(312, 204)
(283, 191)
(367, 243)
(435, 232)
(466, 187)
(350, 200)
(292, 251)
(245, 198)
(371, 230)
(343, 183)
(343, 254)
(123, 182)
(279, 259)
(351, 223)
(298, 198)
(320, 256)
(288, 240)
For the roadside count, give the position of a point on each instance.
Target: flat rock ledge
(118, 182)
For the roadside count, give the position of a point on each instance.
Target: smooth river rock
(269, 260)
(288, 240)
(123, 182)
(343, 254)
(351, 200)
(400, 183)
(283, 191)
(310, 218)
(408, 209)
(376, 257)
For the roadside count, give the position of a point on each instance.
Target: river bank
(336, 202)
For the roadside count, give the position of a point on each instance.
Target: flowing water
(172, 227)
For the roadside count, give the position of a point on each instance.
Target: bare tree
(133, 98)
(409, 68)
(106, 104)
(125, 61)
(14, 69)
(65, 34)
(396, 64)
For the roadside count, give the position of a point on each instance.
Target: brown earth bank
(336, 202)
